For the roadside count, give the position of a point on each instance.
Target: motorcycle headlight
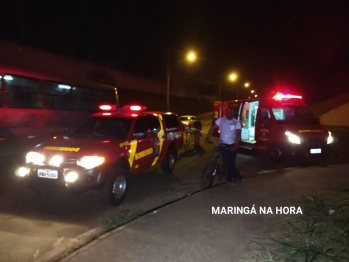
(34, 157)
(89, 162)
(329, 138)
(293, 138)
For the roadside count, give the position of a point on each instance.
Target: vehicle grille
(315, 142)
(70, 161)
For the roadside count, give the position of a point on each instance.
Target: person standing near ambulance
(230, 135)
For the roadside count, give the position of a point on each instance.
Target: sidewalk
(188, 231)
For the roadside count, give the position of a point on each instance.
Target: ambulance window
(278, 113)
(140, 126)
(153, 123)
(264, 114)
(294, 115)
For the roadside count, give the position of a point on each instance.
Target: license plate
(48, 173)
(315, 151)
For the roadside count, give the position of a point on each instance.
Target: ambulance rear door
(265, 132)
(248, 119)
(217, 112)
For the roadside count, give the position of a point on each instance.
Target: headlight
(71, 177)
(56, 161)
(89, 162)
(329, 138)
(293, 138)
(22, 171)
(35, 157)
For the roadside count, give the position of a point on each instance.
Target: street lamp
(232, 77)
(190, 57)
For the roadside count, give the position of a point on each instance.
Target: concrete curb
(63, 251)
(107, 233)
(59, 252)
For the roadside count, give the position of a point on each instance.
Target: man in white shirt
(230, 135)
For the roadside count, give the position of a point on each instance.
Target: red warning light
(107, 107)
(134, 107)
(280, 96)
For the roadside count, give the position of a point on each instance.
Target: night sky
(296, 45)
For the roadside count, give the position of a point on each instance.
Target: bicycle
(215, 167)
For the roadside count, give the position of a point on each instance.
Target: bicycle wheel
(209, 174)
(222, 170)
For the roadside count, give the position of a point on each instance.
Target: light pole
(246, 85)
(190, 57)
(168, 82)
(231, 77)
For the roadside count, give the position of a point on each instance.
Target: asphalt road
(31, 225)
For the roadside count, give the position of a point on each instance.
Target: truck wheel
(276, 153)
(168, 164)
(115, 188)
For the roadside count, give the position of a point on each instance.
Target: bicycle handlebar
(218, 144)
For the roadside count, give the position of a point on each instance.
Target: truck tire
(276, 153)
(116, 186)
(168, 164)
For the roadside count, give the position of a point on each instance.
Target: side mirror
(140, 135)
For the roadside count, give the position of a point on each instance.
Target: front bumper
(309, 147)
(87, 178)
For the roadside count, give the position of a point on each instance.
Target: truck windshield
(293, 115)
(99, 126)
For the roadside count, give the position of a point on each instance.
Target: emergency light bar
(107, 107)
(280, 96)
(134, 107)
(111, 107)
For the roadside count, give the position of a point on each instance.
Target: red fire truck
(104, 151)
(279, 125)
